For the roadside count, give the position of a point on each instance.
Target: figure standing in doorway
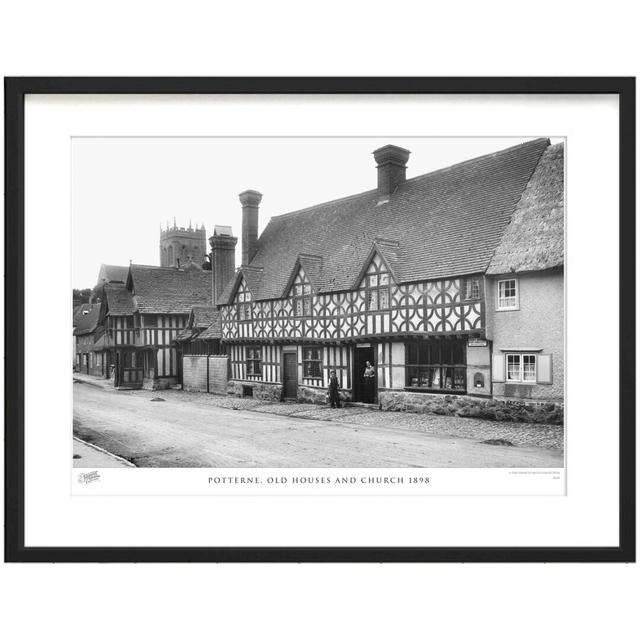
(369, 382)
(334, 391)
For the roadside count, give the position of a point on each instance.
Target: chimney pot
(223, 261)
(250, 201)
(392, 169)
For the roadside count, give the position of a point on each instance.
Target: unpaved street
(179, 433)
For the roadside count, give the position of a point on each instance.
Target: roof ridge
(324, 204)
(485, 156)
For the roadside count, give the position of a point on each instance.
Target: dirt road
(180, 433)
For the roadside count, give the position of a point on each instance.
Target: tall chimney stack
(392, 169)
(250, 201)
(223, 259)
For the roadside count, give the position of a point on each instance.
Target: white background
(587, 516)
(372, 38)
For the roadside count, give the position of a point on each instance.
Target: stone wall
(270, 392)
(468, 407)
(157, 384)
(318, 395)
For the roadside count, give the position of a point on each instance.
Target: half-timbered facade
(395, 277)
(143, 318)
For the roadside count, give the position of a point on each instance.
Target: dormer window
(471, 289)
(301, 295)
(243, 303)
(376, 284)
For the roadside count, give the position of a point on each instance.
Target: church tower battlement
(180, 246)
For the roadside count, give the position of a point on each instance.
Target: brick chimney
(223, 259)
(250, 200)
(392, 169)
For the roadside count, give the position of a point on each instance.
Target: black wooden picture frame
(15, 91)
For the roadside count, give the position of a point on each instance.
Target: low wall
(270, 392)
(157, 384)
(469, 407)
(318, 395)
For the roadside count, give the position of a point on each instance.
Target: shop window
(312, 362)
(436, 364)
(521, 367)
(508, 294)
(254, 361)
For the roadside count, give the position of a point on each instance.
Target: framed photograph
(320, 319)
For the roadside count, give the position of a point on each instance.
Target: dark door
(290, 375)
(363, 390)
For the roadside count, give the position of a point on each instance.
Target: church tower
(180, 246)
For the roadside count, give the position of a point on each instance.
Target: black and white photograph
(318, 302)
(288, 326)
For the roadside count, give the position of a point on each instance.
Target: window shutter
(497, 368)
(545, 369)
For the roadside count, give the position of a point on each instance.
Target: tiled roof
(118, 299)
(212, 332)
(534, 239)
(167, 289)
(78, 312)
(202, 316)
(446, 223)
(112, 273)
(203, 324)
(87, 322)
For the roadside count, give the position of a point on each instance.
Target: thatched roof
(534, 239)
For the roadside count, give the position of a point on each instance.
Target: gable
(242, 292)
(300, 284)
(448, 223)
(375, 272)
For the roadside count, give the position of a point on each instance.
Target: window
(507, 294)
(376, 283)
(301, 294)
(243, 300)
(312, 362)
(151, 321)
(254, 361)
(471, 288)
(521, 367)
(436, 364)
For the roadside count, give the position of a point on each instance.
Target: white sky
(123, 189)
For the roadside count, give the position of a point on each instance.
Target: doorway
(363, 390)
(290, 374)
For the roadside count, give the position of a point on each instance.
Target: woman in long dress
(334, 391)
(369, 382)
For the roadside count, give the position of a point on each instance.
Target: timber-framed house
(142, 318)
(395, 277)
